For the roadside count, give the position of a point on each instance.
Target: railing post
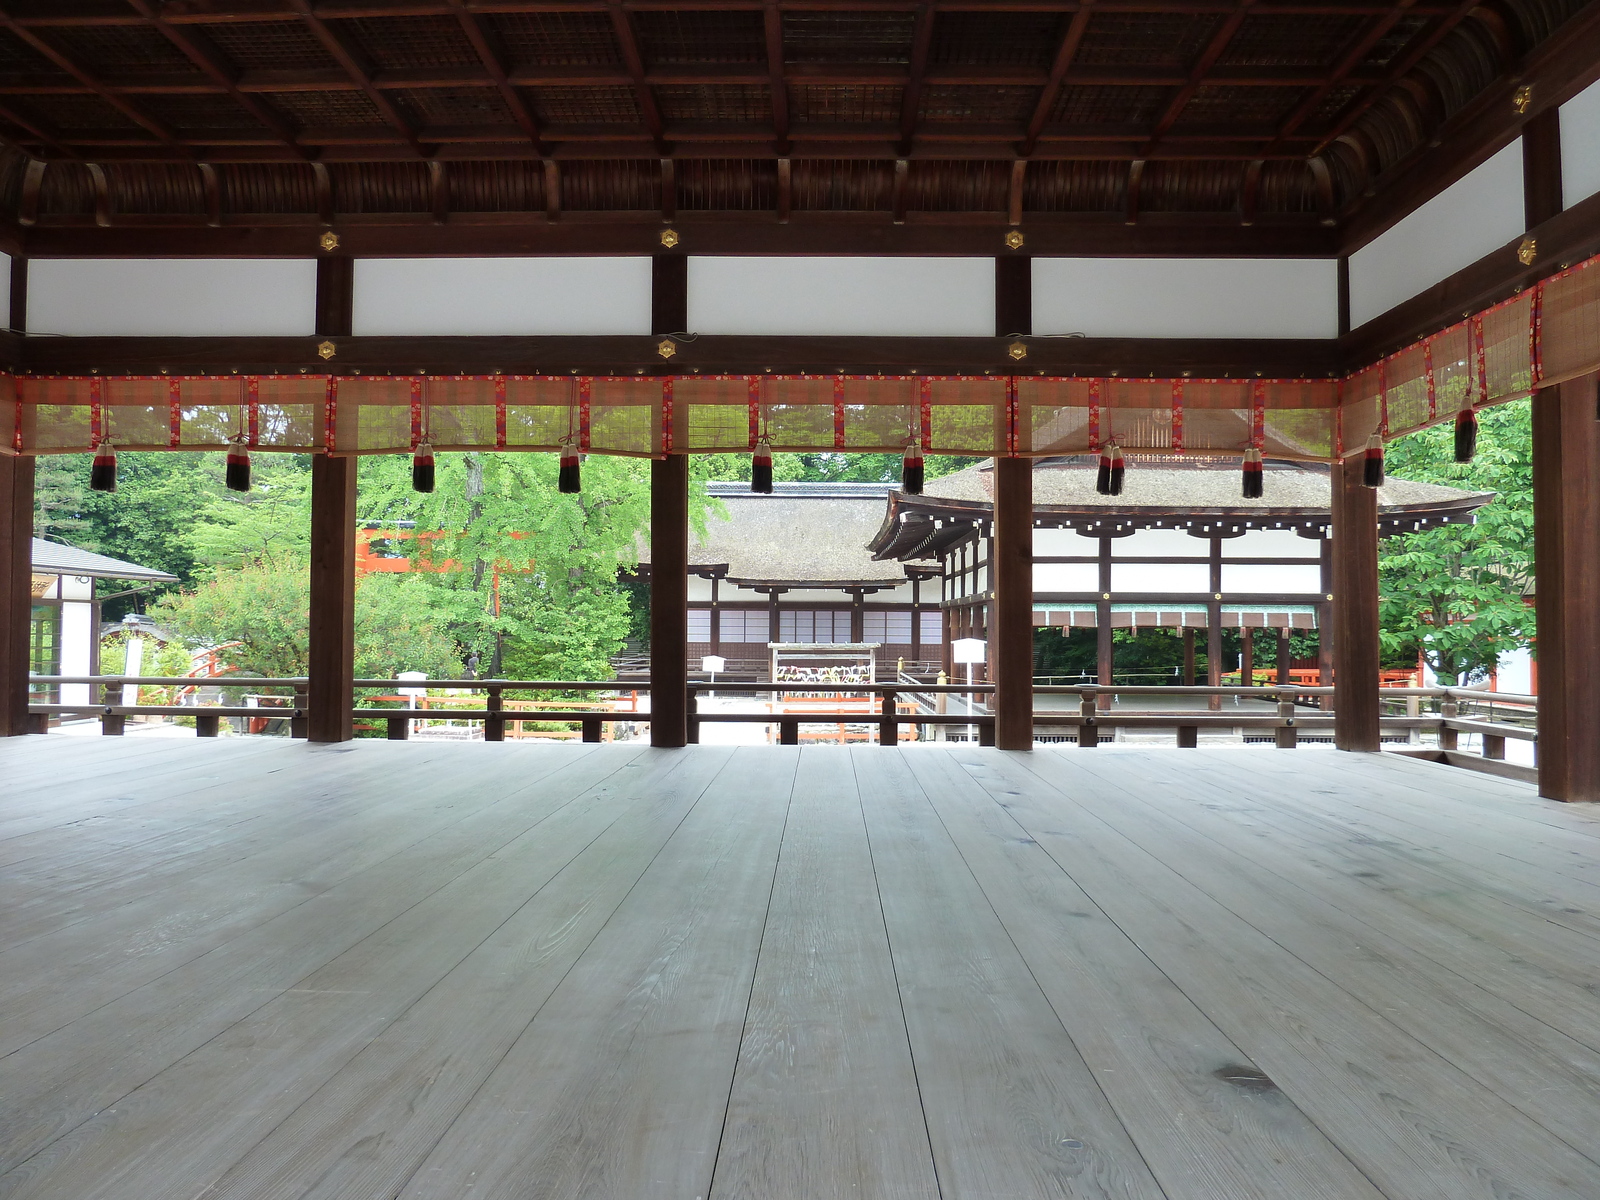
(1088, 731)
(494, 725)
(1449, 738)
(888, 723)
(299, 725)
(788, 731)
(591, 729)
(1413, 709)
(1494, 746)
(399, 728)
(1188, 737)
(691, 717)
(111, 724)
(207, 725)
(1286, 736)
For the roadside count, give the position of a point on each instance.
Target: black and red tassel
(422, 474)
(911, 471)
(1372, 463)
(1466, 435)
(761, 468)
(569, 480)
(1252, 479)
(103, 471)
(237, 472)
(1109, 480)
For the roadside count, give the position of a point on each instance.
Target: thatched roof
(1201, 495)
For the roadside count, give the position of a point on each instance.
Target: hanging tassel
(1466, 435)
(761, 468)
(1115, 479)
(237, 473)
(1252, 474)
(570, 480)
(911, 471)
(1102, 480)
(1372, 466)
(422, 468)
(103, 471)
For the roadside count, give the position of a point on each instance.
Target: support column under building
(669, 601)
(1355, 609)
(1566, 530)
(16, 593)
(1011, 577)
(331, 645)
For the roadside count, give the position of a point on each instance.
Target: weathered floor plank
(255, 970)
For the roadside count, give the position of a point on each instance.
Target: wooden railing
(893, 708)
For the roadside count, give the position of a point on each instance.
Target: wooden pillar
(1011, 627)
(1566, 518)
(716, 619)
(1214, 627)
(16, 595)
(1188, 657)
(1325, 622)
(1247, 655)
(1355, 609)
(669, 600)
(1284, 661)
(331, 647)
(1541, 168)
(19, 294)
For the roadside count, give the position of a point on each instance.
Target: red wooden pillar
(1011, 576)
(16, 595)
(1355, 609)
(1566, 530)
(669, 601)
(331, 648)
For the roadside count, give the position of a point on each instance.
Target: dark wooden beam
(1541, 168)
(16, 596)
(336, 275)
(1011, 629)
(772, 28)
(708, 353)
(633, 60)
(911, 98)
(1060, 65)
(1566, 514)
(489, 56)
(669, 296)
(19, 295)
(669, 600)
(1352, 57)
(1013, 297)
(1355, 608)
(335, 45)
(331, 647)
(1200, 68)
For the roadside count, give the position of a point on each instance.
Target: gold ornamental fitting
(666, 347)
(670, 238)
(329, 241)
(327, 350)
(1522, 98)
(1017, 351)
(1014, 239)
(1528, 251)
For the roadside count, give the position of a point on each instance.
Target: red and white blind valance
(1547, 334)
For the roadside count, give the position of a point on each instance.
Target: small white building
(64, 630)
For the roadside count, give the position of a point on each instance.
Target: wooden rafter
(911, 100)
(772, 30)
(345, 57)
(633, 59)
(1061, 63)
(474, 31)
(1201, 68)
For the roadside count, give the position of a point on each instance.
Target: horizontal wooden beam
(709, 354)
(805, 233)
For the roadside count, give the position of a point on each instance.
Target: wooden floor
(251, 968)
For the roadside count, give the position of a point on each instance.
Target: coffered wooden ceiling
(1282, 115)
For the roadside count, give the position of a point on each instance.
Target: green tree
(830, 467)
(1457, 593)
(268, 525)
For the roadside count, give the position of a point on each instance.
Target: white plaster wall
(931, 297)
(1479, 213)
(508, 296)
(1515, 673)
(700, 589)
(1271, 543)
(1066, 577)
(1186, 297)
(1580, 145)
(5, 300)
(1171, 578)
(1062, 543)
(833, 596)
(1159, 543)
(898, 595)
(195, 297)
(1271, 580)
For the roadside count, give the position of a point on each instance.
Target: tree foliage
(1457, 593)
